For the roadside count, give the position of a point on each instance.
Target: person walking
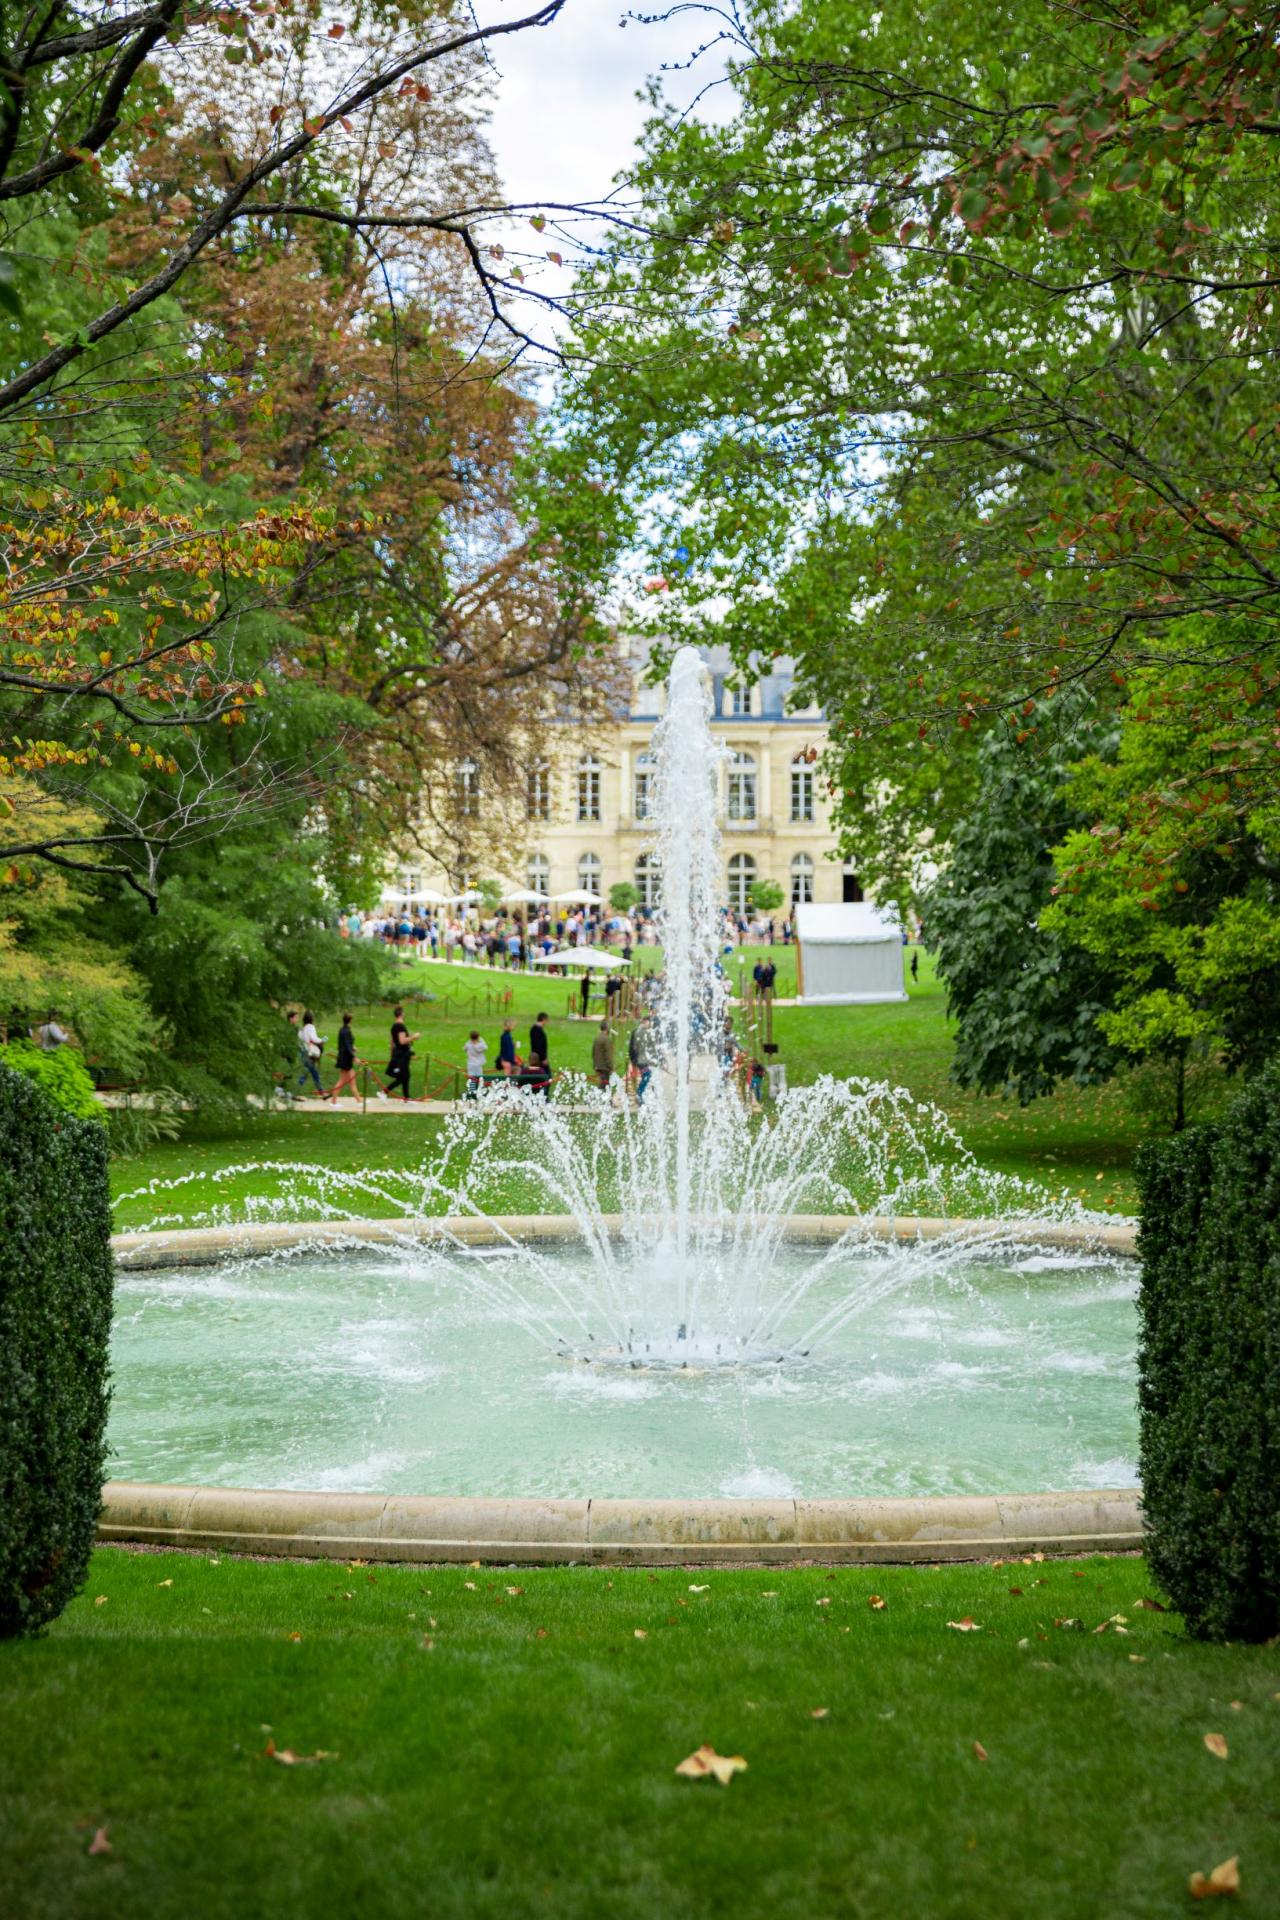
(51, 1035)
(603, 1055)
(475, 1049)
(507, 1062)
(539, 1055)
(915, 964)
(401, 1054)
(310, 1048)
(346, 1080)
(640, 1054)
(585, 991)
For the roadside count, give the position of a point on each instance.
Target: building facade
(588, 804)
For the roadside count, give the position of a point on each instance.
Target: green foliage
(1173, 885)
(1209, 1366)
(56, 1279)
(623, 896)
(61, 1072)
(766, 896)
(1026, 1002)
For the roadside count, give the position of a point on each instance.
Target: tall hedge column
(56, 1280)
(1209, 1366)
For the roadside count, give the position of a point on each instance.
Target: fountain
(681, 1299)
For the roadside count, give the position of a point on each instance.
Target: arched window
(468, 789)
(589, 872)
(643, 786)
(538, 792)
(649, 880)
(742, 786)
(801, 879)
(588, 787)
(802, 788)
(537, 875)
(742, 873)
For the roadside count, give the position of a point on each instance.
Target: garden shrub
(60, 1071)
(55, 1319)
(1209, 1365)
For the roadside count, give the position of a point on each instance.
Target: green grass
(1082, 1141)
(524, 1763)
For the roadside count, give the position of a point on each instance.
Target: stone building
(587, 805)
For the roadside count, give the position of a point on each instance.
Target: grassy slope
(502, 1773)
(1069, 1140)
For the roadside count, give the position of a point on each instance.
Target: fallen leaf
(979, 1751)
(641, 1634)
(288, 1758)
(295, 1636)
(100, 1600)
(876, 1604)
(1149, 1606)
(706, 1763)
(1075, 1625)
(475, 1563)
(514, 1590)
(540, 1634)
(1225, 1879)
(703, 1589)
(1237, 1706)
(164, 1583)
(965, 1626)
(1138, 1659)
(819, 1713)
(1022, 1645)
(100, 1842)
(470, 1585)
(824, 1602)
(428, 1642)
(1216, 1745)
(1016, 1591)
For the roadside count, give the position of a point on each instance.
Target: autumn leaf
(1225, 1879)
(825, 1601)
(819, 1713)
(1216, 1744)
(642, 1633)
(965, 1626)
(979, 1751)
(288, 1758)
(707, 1764)
(100, 1600)
(705, 1588)
(164, 1583)
(876, 1604)
(1149, 1606)
(337, 30)
(100, 1842)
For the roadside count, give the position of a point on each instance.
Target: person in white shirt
(310, 1047)
(476, 1049)
(51, 1036)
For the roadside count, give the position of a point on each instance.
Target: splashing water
(679, 1207)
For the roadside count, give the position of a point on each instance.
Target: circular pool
(384, 1370)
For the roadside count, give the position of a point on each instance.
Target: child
(476, 1049)
(755, 1086)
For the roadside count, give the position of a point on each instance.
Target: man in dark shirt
(401, 1054)
(507, 1048)
(539, 1061)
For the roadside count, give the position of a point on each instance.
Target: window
(742, 873)
(410, 881)
(801, 787)
(649, 880)
(801, 879)
(742, 786)
(589, 872)
(737, 700)
(643, 786)
(537, 875)
(468, 789)
(538, 792)
(588, 787)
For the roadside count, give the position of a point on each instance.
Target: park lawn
(523, 1762)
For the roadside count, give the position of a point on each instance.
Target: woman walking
(346, 1080)
(310, 1047)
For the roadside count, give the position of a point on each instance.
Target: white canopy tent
(848, 956)
(580, 957)
(577, 897)
(524, 897)
(413, 897)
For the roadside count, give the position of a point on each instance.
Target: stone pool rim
(592, 1530)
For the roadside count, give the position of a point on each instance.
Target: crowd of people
(513, 940)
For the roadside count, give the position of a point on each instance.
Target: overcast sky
(565, 116)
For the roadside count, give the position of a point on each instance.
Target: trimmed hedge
(62, 1073)
(56, 1280)
(1209, 1365)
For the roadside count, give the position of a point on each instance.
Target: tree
(1025, 999)
(623, 896)
(765, 896)
(1175, 886)
(943, 362)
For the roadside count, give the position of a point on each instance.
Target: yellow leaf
(979, 1751)
(1216, 1745)
(100, 1600)
(707, 1764)
(696, 1589)
(100, 1842)
(641, 1633)
(1225, 1879)
(965, 1626)
(876, 1604)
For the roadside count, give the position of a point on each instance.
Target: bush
(55, 1321)
(62, 1073)
(1209, 1365)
